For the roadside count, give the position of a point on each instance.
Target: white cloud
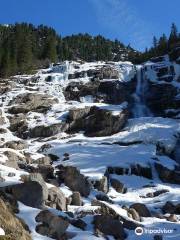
(124, 21)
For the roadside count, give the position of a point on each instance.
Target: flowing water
(139, 107)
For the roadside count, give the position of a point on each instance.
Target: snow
(2, 233)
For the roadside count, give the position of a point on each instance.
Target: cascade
(139, 107)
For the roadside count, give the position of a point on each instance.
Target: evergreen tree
(173, 38)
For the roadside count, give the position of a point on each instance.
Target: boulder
(76, 199)
(106, 210)
(13, 159)
(74, 179)
(17, 145)
(52, 226)
(33, 192)
(117, 185)
(141, 209)
(47, 171)
(102, 184)
(57, 199)
(109, 226)
(31, 102)
(134, 214)
(46, 160)
(46, 131)
(19, 125)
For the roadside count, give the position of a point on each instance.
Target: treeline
(24, 47)
(163, 45)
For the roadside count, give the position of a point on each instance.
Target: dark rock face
(74, 180)
(31, 102)
(161, 97)
(52, 226)
(96, 122)
(141, 209)
(109, 226)
(115, 92)
(168, 175)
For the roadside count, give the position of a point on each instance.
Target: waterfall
(139, 107)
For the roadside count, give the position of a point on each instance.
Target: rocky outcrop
(31, 102)
(161, 97)
(96, 122)
(72, 178)
(14, 227)
(51, 225)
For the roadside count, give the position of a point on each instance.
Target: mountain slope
(80, 162)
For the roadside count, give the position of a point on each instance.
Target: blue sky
(131, 21)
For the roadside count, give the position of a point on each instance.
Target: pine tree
(173, 38)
